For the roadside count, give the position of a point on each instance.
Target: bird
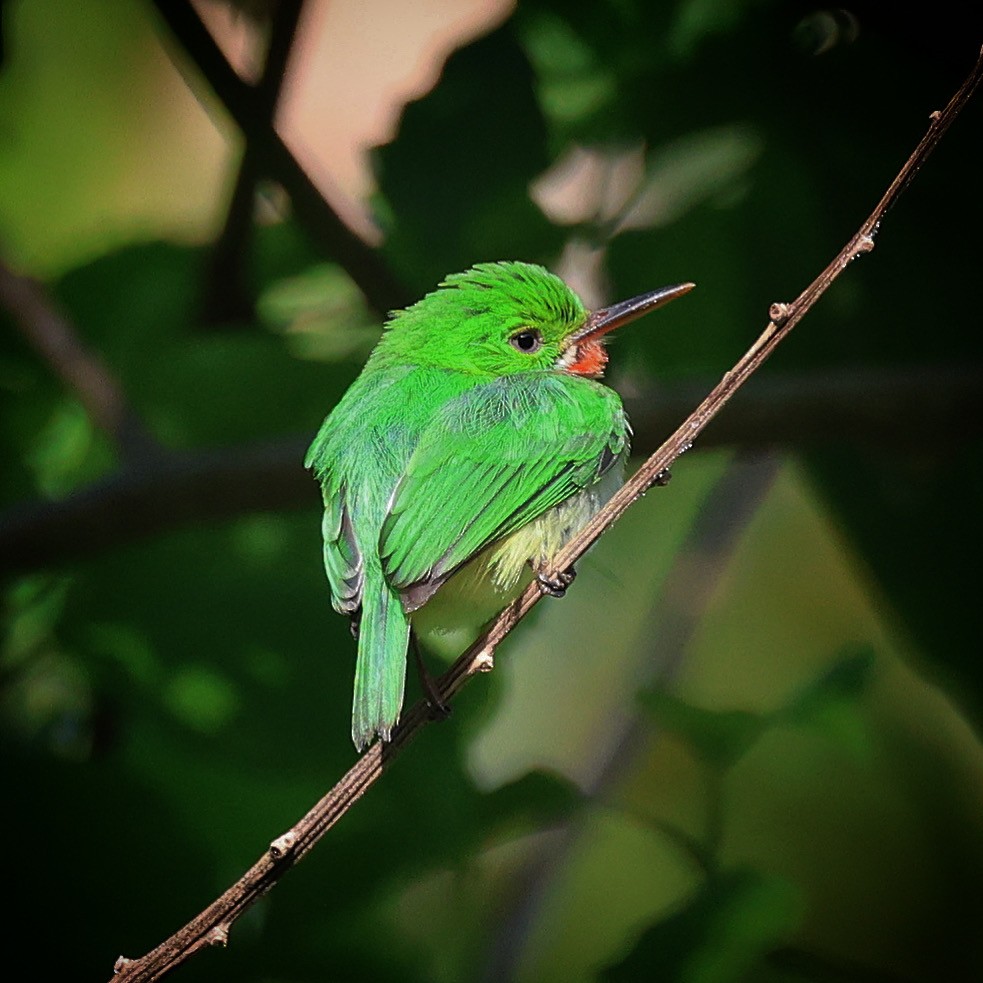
(474, 444)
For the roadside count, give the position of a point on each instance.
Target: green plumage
(456, 443)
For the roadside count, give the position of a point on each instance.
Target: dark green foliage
(797, 801)
(718, 935)
(456, 180)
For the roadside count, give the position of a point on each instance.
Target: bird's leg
(439, 710)
(555, 584)
(356, 622)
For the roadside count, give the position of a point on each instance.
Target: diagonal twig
(211, 926)
(52, 335)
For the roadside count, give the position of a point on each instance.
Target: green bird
(474, 444)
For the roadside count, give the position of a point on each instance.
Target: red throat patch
(589, 360)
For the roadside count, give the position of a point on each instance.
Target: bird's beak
(606, 319)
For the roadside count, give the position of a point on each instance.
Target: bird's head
(501, 318)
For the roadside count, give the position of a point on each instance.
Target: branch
(896, 408)
(229, 298)
(167, 492)
(50, 333)
(211, 926)
(362, 263)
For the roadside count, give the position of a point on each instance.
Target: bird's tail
(380, 672)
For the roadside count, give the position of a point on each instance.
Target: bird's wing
(493, 459)
(342, 557)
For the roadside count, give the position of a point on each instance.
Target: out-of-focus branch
(229, 295)
(364, 265)
(894, 409)
(169, 492)
(50, 333)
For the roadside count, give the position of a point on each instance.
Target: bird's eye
(527, 341)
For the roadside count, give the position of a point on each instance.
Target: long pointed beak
(606, 319)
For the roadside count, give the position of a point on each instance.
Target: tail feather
(380, 672)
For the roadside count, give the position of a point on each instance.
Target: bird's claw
(555, 583)
(438, 710)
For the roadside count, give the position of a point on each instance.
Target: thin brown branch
(893, 409)
(212, 925)
(364, 265)
(55, 339)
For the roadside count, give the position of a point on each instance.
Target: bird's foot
(555, 584)
(439, 710)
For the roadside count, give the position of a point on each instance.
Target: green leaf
(320, 314)
(832, 703)
(718, 935)
(915, 518)
(717, 737)
(456, 179)
(844, 682)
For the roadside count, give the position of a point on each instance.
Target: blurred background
(746, 745)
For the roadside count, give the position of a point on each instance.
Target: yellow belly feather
(495, 576)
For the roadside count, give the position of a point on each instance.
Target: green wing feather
(413, 497)
(493, 459)
(343, 561)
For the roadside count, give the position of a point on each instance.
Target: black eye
(527, 341)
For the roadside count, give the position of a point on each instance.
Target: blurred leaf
(101, 142)
(718, 935)
(720, 737)
(321, 314)
(202, 698)
(589, 60)
(711, 164)
(191, 387)
(456, 179)
(536, 799)
(32, 608)
(845, 681)
(67, 451)
(832, 703)
(174, 704)
(916, 520)
(717, 737)
(573, 84)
